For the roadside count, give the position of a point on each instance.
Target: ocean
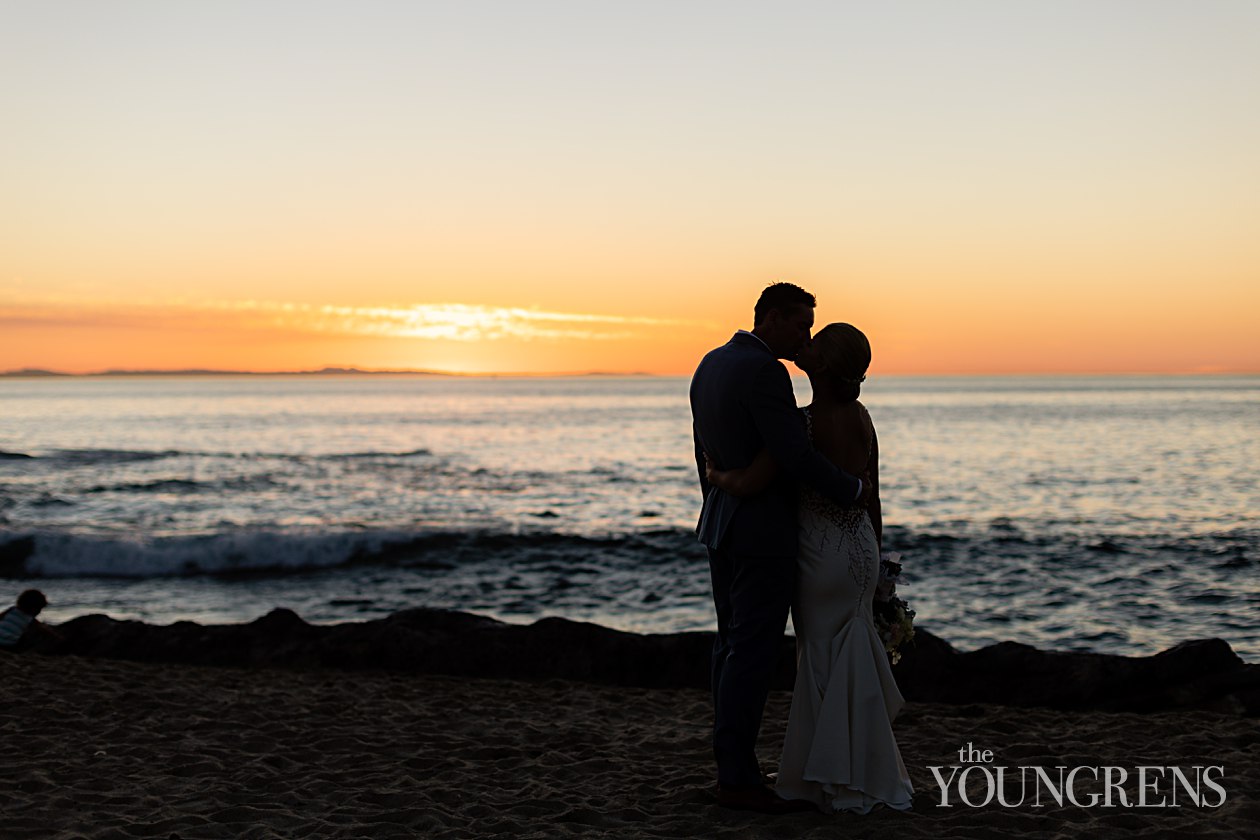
(1108, 514)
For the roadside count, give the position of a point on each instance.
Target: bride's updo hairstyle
(847, 354)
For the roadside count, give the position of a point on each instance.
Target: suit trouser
(753, 595)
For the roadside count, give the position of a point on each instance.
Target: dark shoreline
(1201, 675)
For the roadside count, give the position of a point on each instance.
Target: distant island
(328, 371)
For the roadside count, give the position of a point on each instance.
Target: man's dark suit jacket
(742, 401)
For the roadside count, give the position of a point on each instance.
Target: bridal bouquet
(894, 620)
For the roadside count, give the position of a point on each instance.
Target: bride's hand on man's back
(868, 487)
(710, 469)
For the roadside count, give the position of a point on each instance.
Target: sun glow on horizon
(452, 337)
(264, 336)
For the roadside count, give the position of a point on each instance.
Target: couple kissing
(791, 519)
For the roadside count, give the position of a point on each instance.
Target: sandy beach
(101, 749)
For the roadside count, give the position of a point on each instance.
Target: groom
(742, 402)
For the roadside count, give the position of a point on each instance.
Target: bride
(839, 751)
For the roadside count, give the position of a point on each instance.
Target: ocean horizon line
(38, 373)
(45, 373)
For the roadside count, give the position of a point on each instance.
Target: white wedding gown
(839, 751)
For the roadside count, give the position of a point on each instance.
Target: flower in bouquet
(894, 620)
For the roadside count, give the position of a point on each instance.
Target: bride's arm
(746, 481)
(873, 507)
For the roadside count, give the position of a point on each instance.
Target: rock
(1199, 674)
(13, 555)
(1196, 674)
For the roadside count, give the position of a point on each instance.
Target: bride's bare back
(844, 433)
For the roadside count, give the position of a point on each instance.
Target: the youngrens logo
(975, 782)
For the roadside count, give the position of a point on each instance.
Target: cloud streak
(458, 322)
(427, 321)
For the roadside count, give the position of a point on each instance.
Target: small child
(15, 621)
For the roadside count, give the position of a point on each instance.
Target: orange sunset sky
(983, 187)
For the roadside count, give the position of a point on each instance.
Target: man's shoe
(761, 800)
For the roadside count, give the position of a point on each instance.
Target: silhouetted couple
(791, 519)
